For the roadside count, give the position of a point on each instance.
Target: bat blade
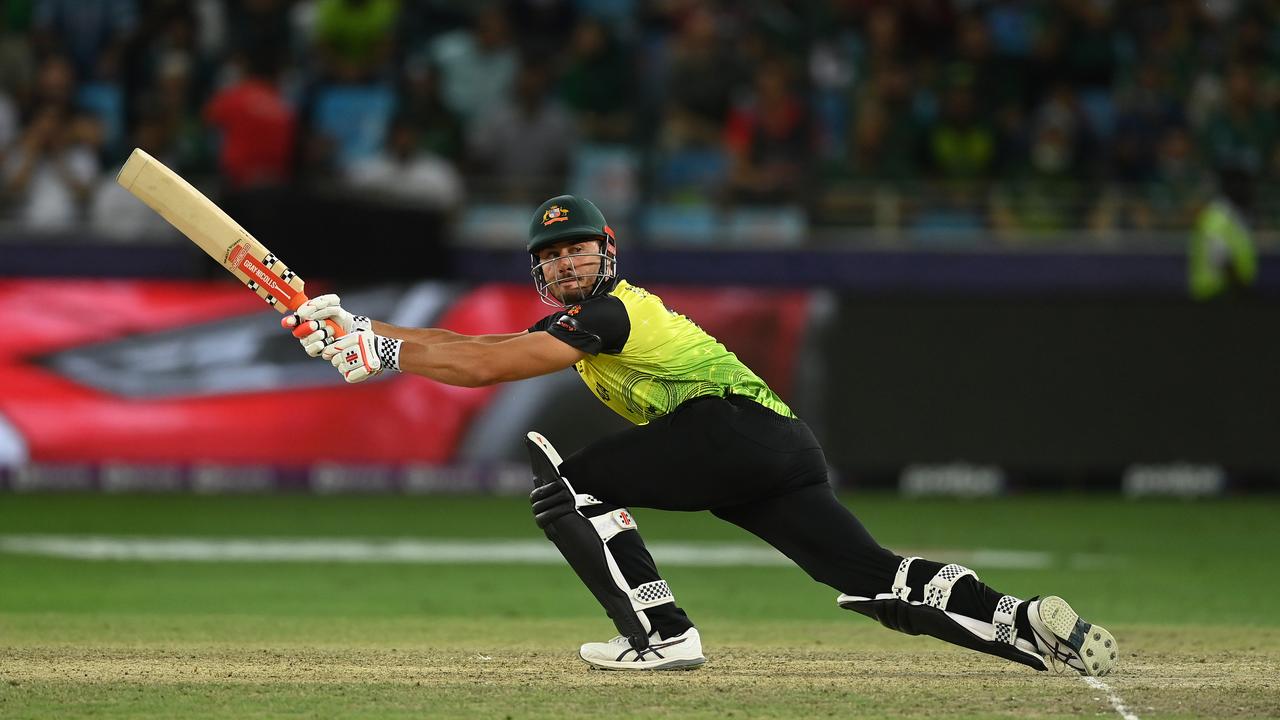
(215, 232)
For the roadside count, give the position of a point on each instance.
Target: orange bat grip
(302, 330)
(335, 330)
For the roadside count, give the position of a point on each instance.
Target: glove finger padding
(343, 343)
(308, 309)
(550, 503)
(330, 311)
(314, 342)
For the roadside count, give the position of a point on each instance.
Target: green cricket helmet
(564, 218)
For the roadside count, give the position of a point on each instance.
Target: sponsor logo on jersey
(567, 323)
(554, 214)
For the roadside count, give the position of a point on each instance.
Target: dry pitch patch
(826, 669)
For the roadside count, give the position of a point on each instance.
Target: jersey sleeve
(544, 323)
(598, 326)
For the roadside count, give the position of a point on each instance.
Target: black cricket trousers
(746, 464)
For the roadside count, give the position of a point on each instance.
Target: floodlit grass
(237, 640)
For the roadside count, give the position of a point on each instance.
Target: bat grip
(302, 330)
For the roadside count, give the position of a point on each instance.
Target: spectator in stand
(1088, 44)
(596, 83)
(17, 65)
(998, 84)
(51, 171)
(1146, 107)
(930, 24)
(1178, 184)
(961, 144)
(8, 123)
(354, 37)
(883, 32)
(477, 65)
(1240, 137)
(1046, 197)
(887, 136)
(171, 100)
(114, 213)
(769, 141)
(257, 126)
(698, 86)
(403, 171)
(521, 150)
(257, 26)
(438, 129)
(546, 26)
(92, 33)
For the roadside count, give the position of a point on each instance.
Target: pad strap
(582, 500)
(900, 587)
(652, 593)
(938, 590)
(1005, 629)
(612, 523)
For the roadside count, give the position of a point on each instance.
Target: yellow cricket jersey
(643, 359)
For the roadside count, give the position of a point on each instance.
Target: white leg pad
(988, 631)
(938, 590)
(645, 596)
(621, 582)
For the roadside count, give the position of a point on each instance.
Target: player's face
(570, 268)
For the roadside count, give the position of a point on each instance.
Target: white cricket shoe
(1064, 638)
(682, 652)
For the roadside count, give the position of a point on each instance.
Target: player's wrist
(388, 351)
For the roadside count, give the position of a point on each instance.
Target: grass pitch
(81, 638)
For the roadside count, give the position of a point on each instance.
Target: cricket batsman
(709, 435)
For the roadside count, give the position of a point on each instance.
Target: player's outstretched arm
(434, 336)
(465, 363)
(314, 334)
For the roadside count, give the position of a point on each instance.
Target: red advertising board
(176, 386)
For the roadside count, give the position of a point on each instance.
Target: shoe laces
(624, 640)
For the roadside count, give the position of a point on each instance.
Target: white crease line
(428, 551)
(1112, 697)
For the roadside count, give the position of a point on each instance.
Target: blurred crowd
(1002, 115)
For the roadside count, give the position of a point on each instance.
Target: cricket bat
(222, 238)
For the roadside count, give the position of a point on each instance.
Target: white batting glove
(312, 315)
(362, 354)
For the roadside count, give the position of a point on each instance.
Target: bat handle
(300, 329)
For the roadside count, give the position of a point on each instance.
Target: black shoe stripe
(651, 649)
(1053, 646)
(1078, 633)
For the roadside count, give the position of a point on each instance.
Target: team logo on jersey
(554, 214)
(575, 310)
(567, 323)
